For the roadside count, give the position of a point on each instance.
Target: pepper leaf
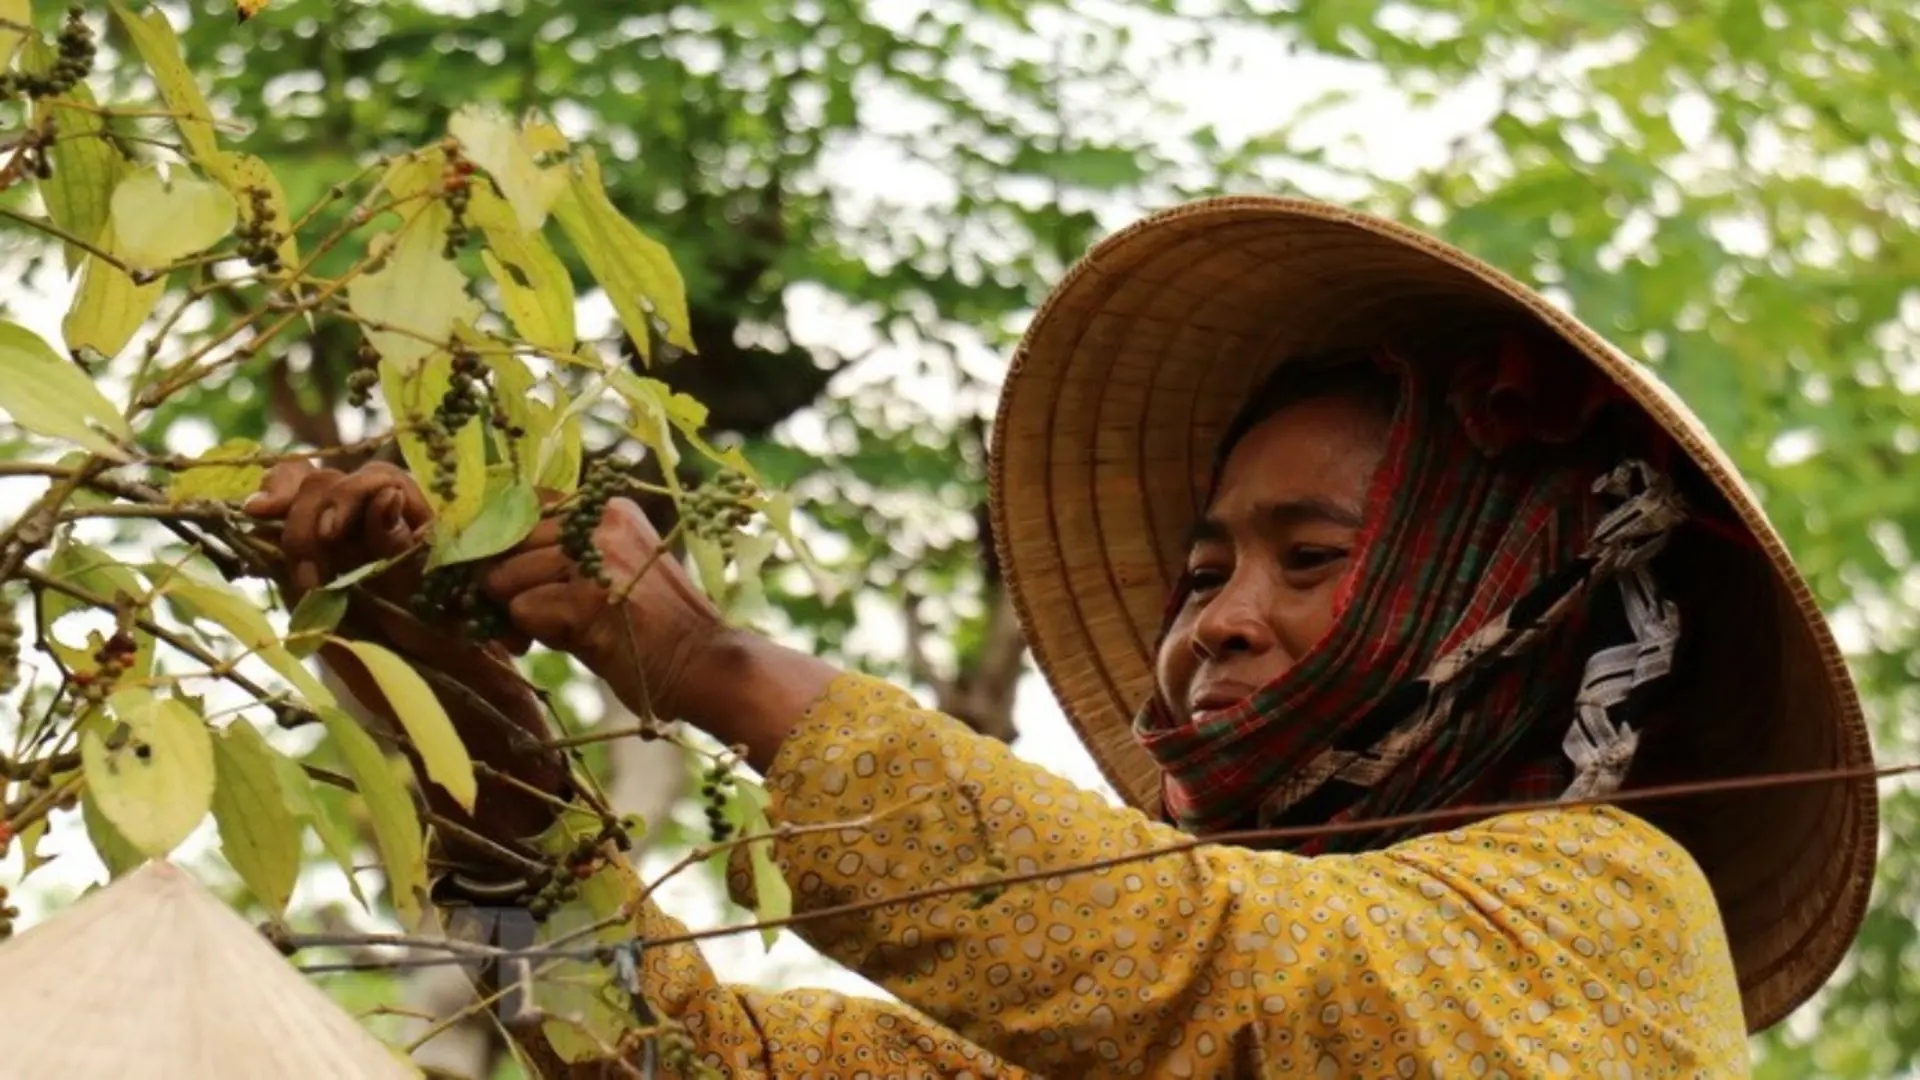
(427, 724)
(49, 396)
(258, 832)
(155, 785)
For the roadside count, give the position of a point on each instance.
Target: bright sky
(1254, 86)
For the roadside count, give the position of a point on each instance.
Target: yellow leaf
(243, 618)
(637, 271)
(772, 898)
(13, 11)
(396, 825)
(157, 784)
(161, 220)
(245, 172)
(427, 724)
(557, 464)
(258, 832)
(86, 165)
(412, 397)
(115, 852)
(159, 46)
(535, 289)
(96, 572)
(206, 479)
(495, 144)
(297, 790)
(420, 294)
(47, 395)
(109, 306)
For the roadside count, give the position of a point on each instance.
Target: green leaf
(30, 857)
(297, 790)
(243, 618)
(428, 726)
(363, 572)
(507, 152)
(96, 572)
(157, 785)
(558, 460)
(206, 479)
(161, 220)
(535, 288)
(779, 511)
(314, 618)
(109, 307)
(772, 898)
(159, 46)
(419, 293)
(258, 832)
(49, 396)
(86, 165)
(115, 852)
(636, 271)
(413, 396)
(396, 825)
(505, 519)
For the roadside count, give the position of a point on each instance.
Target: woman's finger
(545, 534)
(552, 614)
(521, 573)
(277, 489)
(302, 537)
(385, 525)
(347, 501)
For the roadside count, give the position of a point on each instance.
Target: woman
(1458, 554)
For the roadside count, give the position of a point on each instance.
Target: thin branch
(85, 245)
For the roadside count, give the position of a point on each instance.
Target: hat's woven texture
(1107, 426)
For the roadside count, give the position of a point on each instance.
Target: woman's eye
(1205, 579)
(1305, 558)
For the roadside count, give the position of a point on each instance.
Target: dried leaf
(206, 479)
(637, 271)
(49, 396)
(156, 786)
(427, 725)
(396, 825)
(258, 831)
(160, 220)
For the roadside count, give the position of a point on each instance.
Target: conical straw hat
(1108, 422)
(154, 977)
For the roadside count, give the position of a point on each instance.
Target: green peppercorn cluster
(452, 594)
(716, 787)
(76, 50)
(9, 645)
(259, 240)
(456, 185)
(676, 1048)
(365, 375)
(718, 509)
(604, 482)
(466, 392)
(8, 913)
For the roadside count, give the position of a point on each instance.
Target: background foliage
(865, 200)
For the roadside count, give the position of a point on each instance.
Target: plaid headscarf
(1468, 664)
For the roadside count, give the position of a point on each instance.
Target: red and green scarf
(1467, 665)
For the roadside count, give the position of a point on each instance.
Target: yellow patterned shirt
(1573, 943)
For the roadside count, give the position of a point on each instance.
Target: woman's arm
(1531, 945)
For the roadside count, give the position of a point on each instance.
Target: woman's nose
(1236, 620)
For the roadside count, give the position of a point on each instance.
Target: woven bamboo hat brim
(1107, 427)
(157, 978)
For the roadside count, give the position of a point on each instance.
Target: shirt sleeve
(755, 1035)
(1573, 942)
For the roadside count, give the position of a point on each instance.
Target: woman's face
(1270, 552)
